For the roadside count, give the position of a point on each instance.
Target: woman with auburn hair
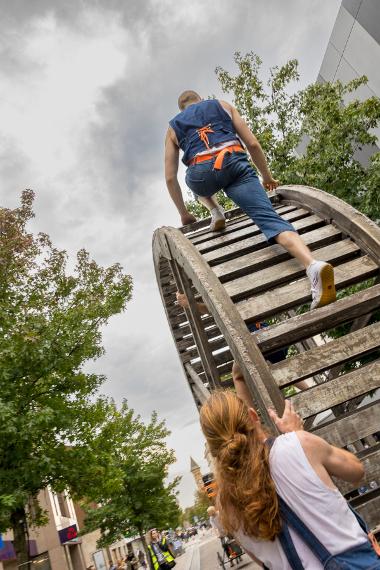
(259, 478)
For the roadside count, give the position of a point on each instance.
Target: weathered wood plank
(314, 322)
(214, 344)
(223, 370)
(369, 509)
(287, 271)
(219, 359)
(182, 328)
(371, 464)
(202, 392)
(295, 294)
(256, 242)
(273, 254)
(341, 350)
(236, 225)
(352, 427)
(222, 240)
(338, 390)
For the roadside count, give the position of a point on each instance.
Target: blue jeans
(241, 184)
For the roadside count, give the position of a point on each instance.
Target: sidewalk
(190, 559)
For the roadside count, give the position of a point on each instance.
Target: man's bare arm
(171, 172)
(253, 146)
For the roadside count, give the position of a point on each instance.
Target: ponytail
(246, 491)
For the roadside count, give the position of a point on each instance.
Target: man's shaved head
(188, 98)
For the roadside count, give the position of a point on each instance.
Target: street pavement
(201, 554)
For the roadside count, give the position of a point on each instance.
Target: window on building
(63, 506)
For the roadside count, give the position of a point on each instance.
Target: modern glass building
(354, 48)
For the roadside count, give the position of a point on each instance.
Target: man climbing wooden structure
(241, 278)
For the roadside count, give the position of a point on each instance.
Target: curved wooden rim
(241, 343)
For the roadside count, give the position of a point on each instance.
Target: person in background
(159, 551)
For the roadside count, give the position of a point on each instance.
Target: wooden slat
(287, 270)
(314, 322)
(202, 392)
(371, 464)
(215, 344)
(273, 254)
(352, 427)
(338, 390)
(222, 240)
(288, 296)
(256, 242)
(223, 370)
(343, 349)
(236, 225)
(219, 359)
(370, 509)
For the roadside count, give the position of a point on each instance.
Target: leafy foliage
(145, 499)
(55, 427)
(199, 509)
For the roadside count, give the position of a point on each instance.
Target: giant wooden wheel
(241, 278)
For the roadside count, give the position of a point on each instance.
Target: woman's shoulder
(287, 445)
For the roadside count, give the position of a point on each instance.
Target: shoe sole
(219, 226)
(328, 286)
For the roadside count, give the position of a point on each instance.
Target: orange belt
(219, 156)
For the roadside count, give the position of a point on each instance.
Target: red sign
(68, 533)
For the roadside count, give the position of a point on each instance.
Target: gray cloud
(92, 147)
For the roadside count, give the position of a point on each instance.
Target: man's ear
(253, 416)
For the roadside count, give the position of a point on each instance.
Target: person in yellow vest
(159, 552)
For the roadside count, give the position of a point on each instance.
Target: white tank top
(323, 509)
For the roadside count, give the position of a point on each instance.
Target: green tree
(55, 429)
(325, 116)
(145, 499)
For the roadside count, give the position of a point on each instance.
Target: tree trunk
(145, 545)
(20, 537)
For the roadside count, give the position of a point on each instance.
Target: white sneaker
(218, 221)
(321, 275)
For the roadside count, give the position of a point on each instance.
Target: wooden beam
(314, 322)
(344, 349)
(256, 372)
(341, 389)
(353, 426)
(197, 326)
(202, 392)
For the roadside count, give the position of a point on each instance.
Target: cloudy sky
(87, 88)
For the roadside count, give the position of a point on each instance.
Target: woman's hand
(290, 421)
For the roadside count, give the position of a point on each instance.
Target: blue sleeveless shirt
(201, 126)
